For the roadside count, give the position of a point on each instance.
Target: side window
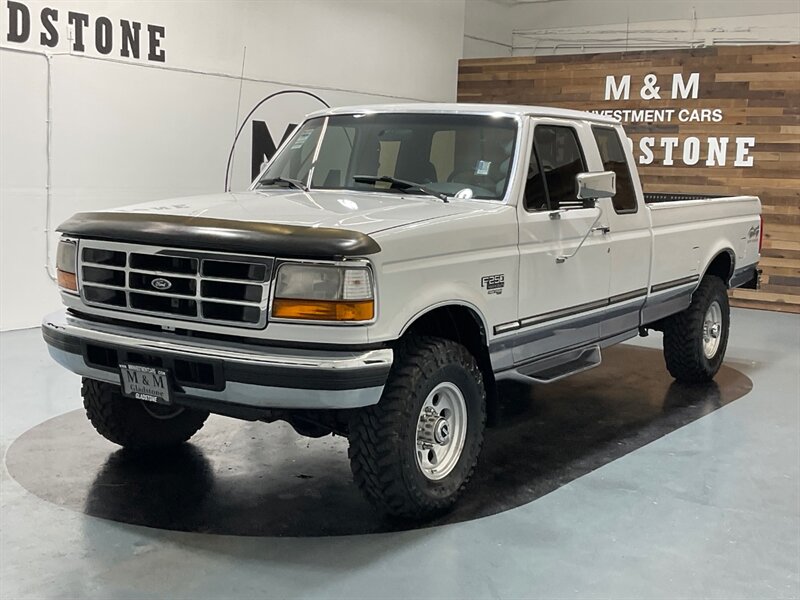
(560, 160)
(613, 156)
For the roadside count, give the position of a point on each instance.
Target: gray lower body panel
(617, 321)
(667, 302)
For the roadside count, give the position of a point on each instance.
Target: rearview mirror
(592, 186)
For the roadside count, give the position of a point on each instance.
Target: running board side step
(554, 368)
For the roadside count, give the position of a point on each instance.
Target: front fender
(448, 261)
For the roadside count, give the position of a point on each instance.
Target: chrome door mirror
(592, 186)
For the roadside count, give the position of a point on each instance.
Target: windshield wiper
(290, 182)
(400, 184)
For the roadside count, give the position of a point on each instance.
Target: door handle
(604, 229)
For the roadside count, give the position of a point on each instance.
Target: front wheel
(413, 453)
(137, 424)
(695, 339)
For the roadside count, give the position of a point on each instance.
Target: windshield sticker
(301, 139)
(482, 168)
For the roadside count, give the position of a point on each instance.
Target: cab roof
(513, 110)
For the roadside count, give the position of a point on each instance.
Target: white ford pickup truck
(385, 270)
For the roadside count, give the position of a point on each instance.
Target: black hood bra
(200, 233)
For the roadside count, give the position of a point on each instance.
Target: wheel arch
(441, 308)
(722, 265)
(463, 323)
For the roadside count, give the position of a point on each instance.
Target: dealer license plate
(145, 383)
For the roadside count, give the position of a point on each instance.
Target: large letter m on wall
(263, 146)
(621, 90)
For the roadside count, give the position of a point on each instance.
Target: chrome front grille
(178, 284)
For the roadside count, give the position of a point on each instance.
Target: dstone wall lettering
(55, 26)
(711, 151)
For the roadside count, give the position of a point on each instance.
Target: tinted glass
(535, 195)
(330, 169)
(560, 160)
(446, 153)
(613, 155)
(294, 161)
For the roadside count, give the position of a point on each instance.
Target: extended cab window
(613, 156)
(560, 160)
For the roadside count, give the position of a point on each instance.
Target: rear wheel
(695, 339)
(413, 453)
(137, 424)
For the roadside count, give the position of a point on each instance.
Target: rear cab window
(612, 153)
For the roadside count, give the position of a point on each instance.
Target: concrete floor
(710, 510)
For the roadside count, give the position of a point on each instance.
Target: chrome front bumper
(245, 375)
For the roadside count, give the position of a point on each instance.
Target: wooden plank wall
(756, 87)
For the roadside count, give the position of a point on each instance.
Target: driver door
(560, 303)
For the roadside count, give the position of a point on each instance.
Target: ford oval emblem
(161, 284)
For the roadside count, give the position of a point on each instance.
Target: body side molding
(568, 312)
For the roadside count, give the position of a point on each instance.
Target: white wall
(125, 130)
(544, 27)
(487, 29)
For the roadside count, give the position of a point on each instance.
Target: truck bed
(689, 231)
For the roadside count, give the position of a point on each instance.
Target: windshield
(446, 153)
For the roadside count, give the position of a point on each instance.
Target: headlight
(323, 293)
(66, 265)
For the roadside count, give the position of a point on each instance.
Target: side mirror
(592, 186)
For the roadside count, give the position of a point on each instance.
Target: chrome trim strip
(715, 200)
(564, 312)
(506, 327)
(509, 110)
(247, 394)
(66, 324)
(659, 287)
(628, 296)
(75, 363)
(570, 311)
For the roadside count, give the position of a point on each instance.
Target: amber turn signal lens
(323, 310)
(68, 281)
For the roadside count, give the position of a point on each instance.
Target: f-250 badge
(494, 284)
